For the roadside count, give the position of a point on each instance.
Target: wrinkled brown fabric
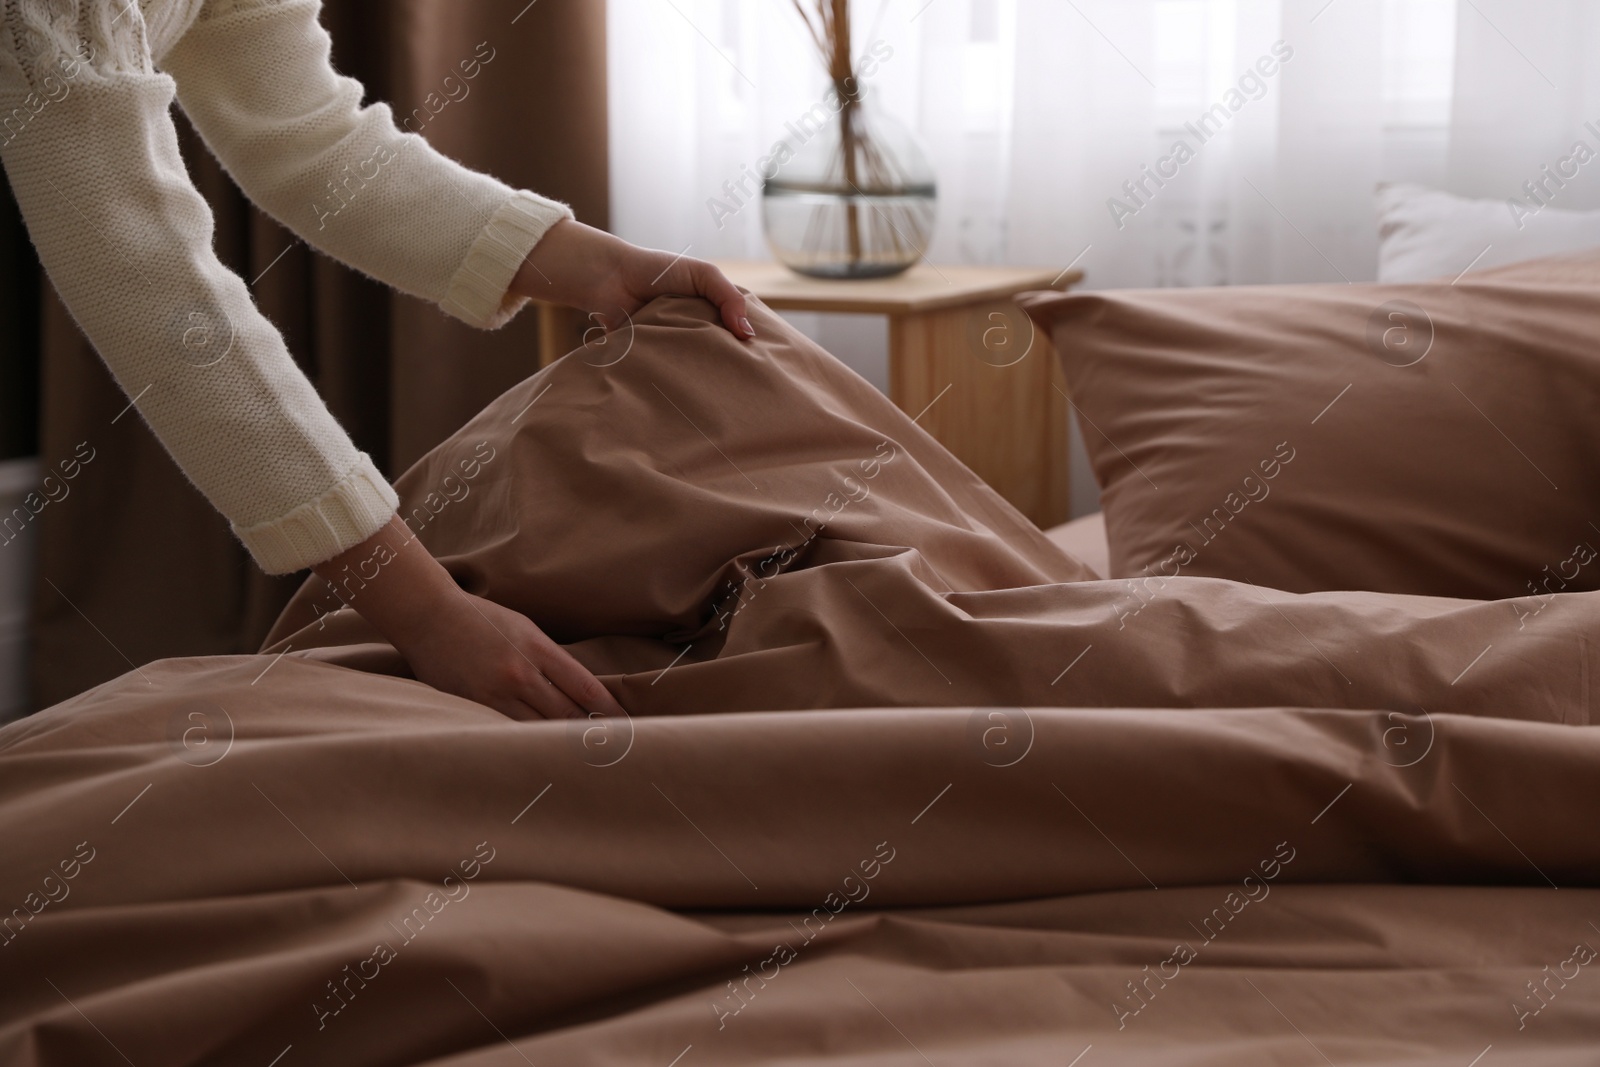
(709, 499)
(238, 870)
(231, 859)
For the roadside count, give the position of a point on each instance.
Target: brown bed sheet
(979, 903)
(1232, 826)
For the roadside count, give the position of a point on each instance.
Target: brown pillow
(1435, 438)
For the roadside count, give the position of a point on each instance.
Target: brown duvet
(1046, 820)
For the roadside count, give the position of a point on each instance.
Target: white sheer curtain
(1036, 112)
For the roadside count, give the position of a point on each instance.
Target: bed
(904, 780)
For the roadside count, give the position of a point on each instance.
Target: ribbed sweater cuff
(480, 294)
(343, 517)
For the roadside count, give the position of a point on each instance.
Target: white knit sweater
(89, 146)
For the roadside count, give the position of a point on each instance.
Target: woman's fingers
(582, 689)
(696, 277)
(547, 698)
(520, 710)
(712, 284)
(560, 686)
(552, 682)
(488, 653)
(582, 267)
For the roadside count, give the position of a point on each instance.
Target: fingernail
(749, 330)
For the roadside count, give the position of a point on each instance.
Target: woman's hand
(589, 269)
(458, 642)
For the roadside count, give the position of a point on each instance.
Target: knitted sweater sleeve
(92, 157)
(256, 79)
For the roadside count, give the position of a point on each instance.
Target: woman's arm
(258, 83)
(93, 160)
(460, 643)
(92, 157)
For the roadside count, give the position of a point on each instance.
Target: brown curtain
(398, 373)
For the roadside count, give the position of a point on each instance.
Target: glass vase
(857, 199)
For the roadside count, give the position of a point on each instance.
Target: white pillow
(1424, 234)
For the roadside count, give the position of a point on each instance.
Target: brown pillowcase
(1435, 438)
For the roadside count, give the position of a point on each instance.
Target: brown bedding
(1436, 438)
(1084, 539)
(1054, 820)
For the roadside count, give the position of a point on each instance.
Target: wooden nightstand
(964, 361)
